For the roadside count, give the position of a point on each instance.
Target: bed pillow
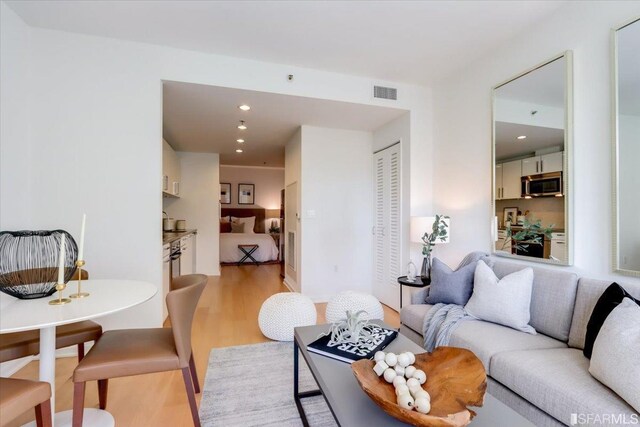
(237, 227)
(608, 301)
(250, 223)
(614, 360)
(225, 227)
(503, 301)
(448, 286)
(225, 219)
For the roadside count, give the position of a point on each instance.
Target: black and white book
(363, 349)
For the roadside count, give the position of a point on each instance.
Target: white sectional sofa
(544, 377)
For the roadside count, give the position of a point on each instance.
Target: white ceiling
(204, 118)
(509, 146)
(407, 41)
(543, 86)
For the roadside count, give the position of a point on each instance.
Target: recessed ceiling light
(242, 126)
(238, 151)
(240, 140)
(244, 107)
(522, 137)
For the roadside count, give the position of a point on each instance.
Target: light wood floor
(227, 315)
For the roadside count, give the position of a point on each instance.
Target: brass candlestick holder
(60, 301)
(80, 294)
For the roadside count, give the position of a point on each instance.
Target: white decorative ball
(389, 375)
(391, 359)
(423, 405)
(380, 367)
(412, 357)
(405, 401)
(378, 356)
(404, 360)
(411, 382)
(398, 380)
(421, 394)
(420, 376)
(401, 389)
(409, 371)
(399, 370)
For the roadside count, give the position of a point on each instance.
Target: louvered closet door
(387, 224)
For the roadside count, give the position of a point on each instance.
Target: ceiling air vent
(385, 92)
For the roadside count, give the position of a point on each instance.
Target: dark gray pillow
(448, 286)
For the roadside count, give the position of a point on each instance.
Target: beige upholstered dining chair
(22, 344)
(128, 352)
(18, 396)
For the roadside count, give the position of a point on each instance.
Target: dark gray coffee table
(349, 404)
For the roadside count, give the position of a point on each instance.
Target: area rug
(252, 385)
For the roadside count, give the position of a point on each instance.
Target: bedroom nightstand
(417, 283)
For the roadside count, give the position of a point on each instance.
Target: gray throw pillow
(614, 360)
(448, 286)
(503, 301)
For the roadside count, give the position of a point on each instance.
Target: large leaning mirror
(626, 178)
(531, 163)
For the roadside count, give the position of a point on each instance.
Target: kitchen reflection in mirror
(531, 159)
(626, 234)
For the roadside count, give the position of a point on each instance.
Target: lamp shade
(419, 226)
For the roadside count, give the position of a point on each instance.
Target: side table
(416, 283)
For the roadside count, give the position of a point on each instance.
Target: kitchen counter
(172, 236)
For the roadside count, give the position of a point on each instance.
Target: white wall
(336, 211)
(293, 174)
(462, 167)
(198, 205)
(15, 182)
(96, 114)
(269, 182)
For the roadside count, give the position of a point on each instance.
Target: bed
(267, 249)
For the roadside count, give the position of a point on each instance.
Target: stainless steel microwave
(543, 185)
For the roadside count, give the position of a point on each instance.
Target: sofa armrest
(419, 296)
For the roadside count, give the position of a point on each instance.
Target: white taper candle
(81, 248)
(61, 261)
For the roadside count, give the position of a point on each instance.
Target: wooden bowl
(455, 379)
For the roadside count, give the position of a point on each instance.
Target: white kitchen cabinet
(511, 180)
(188, 257)
(166, 277)
(499, 181)
(552, 162)
(559, 247)
(171, 172)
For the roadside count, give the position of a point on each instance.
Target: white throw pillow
(249, 223)
(614, 360)
(506, 301)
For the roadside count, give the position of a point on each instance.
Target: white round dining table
(106, 297)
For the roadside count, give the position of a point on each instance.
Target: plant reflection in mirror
(531, 233)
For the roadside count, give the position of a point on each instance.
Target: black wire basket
(29, 262)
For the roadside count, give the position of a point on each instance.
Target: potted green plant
(439, 234)
(531, 233)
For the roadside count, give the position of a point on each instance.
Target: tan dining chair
(19, 396)
(128, 352)
(22, 344)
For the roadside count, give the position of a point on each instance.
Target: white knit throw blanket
(440, 322)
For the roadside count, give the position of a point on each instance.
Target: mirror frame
(614, 154)
(567, 162)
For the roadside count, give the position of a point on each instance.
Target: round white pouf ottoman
(353, 301)
(282, 312)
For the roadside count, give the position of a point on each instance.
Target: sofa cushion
(552, 298)
(558, 382)
(413, 316)
(589, 291)
(488, 339)
(448, 286)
